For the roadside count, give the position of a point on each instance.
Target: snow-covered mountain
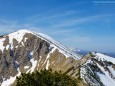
(99, 70)
(25, 51)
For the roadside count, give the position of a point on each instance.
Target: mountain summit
(25, 51)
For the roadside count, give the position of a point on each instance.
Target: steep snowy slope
(20, 34)
(99, 70)
(26, 51)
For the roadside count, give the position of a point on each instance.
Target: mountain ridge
(32, 47)
(24, 51)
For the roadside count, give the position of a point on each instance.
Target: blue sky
(83, 24)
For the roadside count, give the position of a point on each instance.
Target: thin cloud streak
(77, 39)
(39, 17)
(7, 26)
(62, 31)
(79, 21)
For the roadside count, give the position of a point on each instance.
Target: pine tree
(45, 78)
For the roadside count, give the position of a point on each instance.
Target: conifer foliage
(45, 78)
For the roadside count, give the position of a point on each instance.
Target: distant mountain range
(25, 51)
(110, 54)
(80, 52)
(84, 52)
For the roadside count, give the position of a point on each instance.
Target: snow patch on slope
(112, 70)
(11, 80)
(7, 47)
(18, 35)
(25, 39)
(47, 58)
(87, 75)
(105, 57)
(1, 44)
(39, 61)
(26, 67)
(105, 78)
(34, 62)
(16, 65)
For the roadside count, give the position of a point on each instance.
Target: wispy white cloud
(79, 20)
(77, 39)
(62, 31)
(43, 17)
(7, 26)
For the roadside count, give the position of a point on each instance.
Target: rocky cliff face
(24, 51)
(99, 70)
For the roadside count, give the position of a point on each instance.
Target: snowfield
(107, 77)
